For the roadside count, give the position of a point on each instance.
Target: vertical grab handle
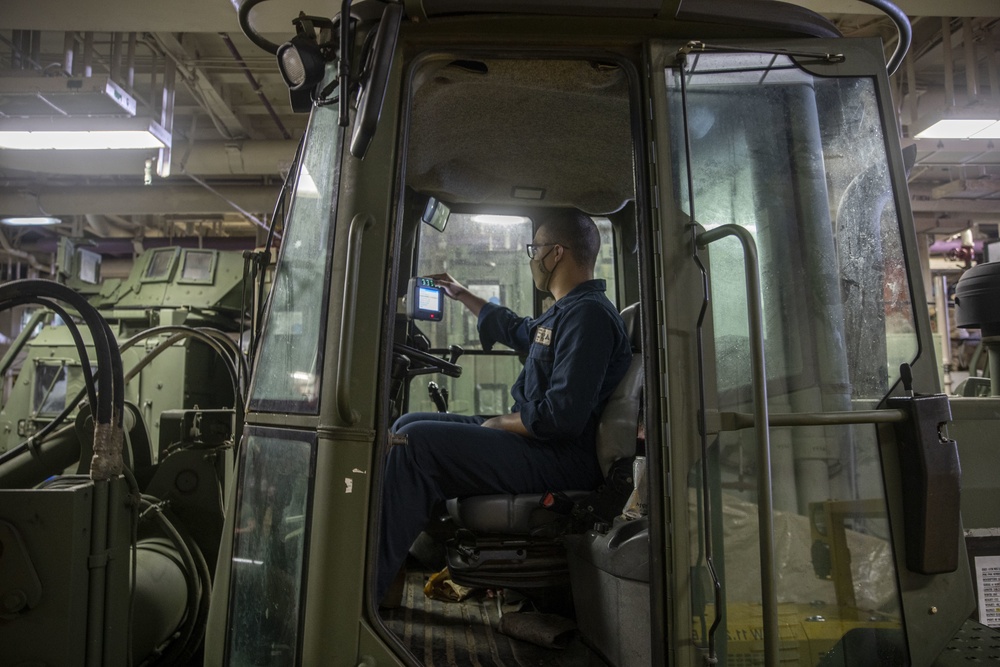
(359, 224)
(765, 500)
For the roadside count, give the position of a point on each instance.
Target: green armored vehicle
(177, 321)
(779, 485)
(166, 287)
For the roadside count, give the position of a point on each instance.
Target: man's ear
(560, 252)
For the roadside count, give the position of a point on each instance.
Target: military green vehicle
(796, 496)
(174, 324)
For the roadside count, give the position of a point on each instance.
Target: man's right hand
(451, 287)
(459, 292)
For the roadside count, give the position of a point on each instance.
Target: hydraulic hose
(904, 28)
(110, 395)
(244, 17)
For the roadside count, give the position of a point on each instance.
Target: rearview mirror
(436, 214)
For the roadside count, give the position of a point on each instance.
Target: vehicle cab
(743, 167)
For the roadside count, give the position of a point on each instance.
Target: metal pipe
(944, 330)
(167, 115)
(250, 216)
(130, 62)
(17, 51)
(949, 63)
(765, 500)
(31, 259)
(253, 84)
(69, 42)
(992, 59)
(993, 355)
(971, 63)
(35, 46)
(911, 90)
(88, 54)
(734, 421)
(115, 67)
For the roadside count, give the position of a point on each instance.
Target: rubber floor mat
(463, 634)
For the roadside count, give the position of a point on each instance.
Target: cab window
(486, 253)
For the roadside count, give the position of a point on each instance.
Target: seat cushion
(506, 514)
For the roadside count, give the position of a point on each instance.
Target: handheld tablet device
(424, 300)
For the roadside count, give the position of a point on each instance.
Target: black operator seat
(511, 514)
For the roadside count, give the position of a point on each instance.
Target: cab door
(788, 304)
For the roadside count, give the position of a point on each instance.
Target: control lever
(439, 395)
(456, 352)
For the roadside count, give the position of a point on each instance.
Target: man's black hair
(572, 229)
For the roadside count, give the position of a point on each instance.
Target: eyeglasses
(532, 248)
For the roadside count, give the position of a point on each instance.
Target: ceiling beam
(965, 207)
(202, 87)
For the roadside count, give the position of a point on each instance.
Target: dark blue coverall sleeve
(502, 325)
(582, 348)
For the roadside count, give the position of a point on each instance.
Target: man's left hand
(511, 422)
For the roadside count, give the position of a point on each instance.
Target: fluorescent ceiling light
(991, 132)
(502, 220)
(28, 221)
(81, 134)
(956, 128)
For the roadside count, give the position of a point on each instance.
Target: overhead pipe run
(255, 85)
(20, 254)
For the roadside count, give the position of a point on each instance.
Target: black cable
(151, 506)
(205, 580)
(43, 432)
(211, 339)
(117, 377)
(904, 28)
(74, 331)
(244, 18)
(33, 290)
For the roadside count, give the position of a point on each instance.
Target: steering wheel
(432, 364)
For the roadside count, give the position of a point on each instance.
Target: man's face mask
(541, 275)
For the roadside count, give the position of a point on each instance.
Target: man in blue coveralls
(577, 353)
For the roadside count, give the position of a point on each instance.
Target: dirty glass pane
(49, 395)
(268, 550)
(286, 378)
(486, 253)
(800, 162)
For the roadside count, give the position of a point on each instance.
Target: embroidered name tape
(543, 336)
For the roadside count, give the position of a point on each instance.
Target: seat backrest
(618, 427)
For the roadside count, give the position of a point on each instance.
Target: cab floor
(464, 634)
